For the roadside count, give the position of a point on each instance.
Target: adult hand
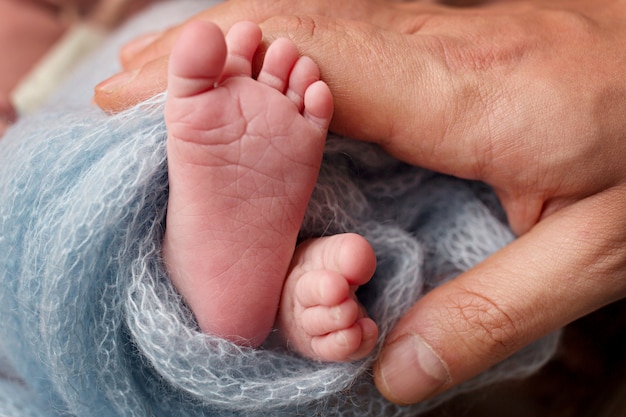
(144, 60)
(527, 97)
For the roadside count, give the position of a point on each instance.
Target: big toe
(193, 69)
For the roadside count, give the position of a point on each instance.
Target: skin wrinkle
(257, 174)
(485, 149)
(499, 327)
(388, 129)
(470, 62)
(410, 25)
(235, 264)
(452, 109)
(584, 220)
(608, 258)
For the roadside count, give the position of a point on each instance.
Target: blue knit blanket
(89, 322)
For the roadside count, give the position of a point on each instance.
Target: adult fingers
(131, 52)
(570, 264)
(138, 83)
(389, 87)
(488, 95)
(128, 88)
(145, 59)
(381, 13)
(153, 46)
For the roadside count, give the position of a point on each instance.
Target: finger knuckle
(485, 326)
(293, 24)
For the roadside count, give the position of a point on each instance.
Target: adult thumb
(568, 265)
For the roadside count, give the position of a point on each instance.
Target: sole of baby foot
(243, 159)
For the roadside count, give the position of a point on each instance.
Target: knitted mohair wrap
(90, 324)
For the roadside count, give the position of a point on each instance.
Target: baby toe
(338, 346)
(280, 58)
(242, 42)
(321, 320)
(369, 337)
(321, 288)
(305, 72)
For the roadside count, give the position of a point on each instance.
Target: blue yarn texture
(89, 322)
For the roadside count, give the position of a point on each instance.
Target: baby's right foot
(319, 315)
(243, 159)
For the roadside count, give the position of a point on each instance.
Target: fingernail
(116, 82)
(411, 370)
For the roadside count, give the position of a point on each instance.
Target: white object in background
(37, 86)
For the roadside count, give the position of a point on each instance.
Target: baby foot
(243, 158)
(319, 315)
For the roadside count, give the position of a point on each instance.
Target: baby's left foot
(319, 315)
